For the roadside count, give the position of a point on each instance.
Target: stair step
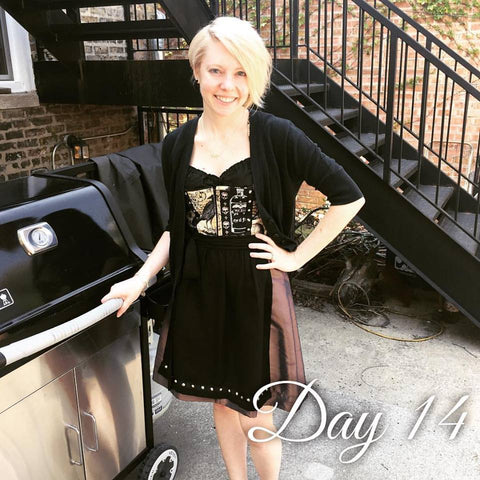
(444, 193)
(112, 30)
(293, 92)
(407, 168)
(467, 221)
(323, 119)
(368, 139)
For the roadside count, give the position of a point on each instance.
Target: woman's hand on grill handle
(128, 290)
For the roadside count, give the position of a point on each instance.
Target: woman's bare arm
(157, 259)
(129, 290)
(327, 229)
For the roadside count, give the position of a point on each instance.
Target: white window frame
(21, 58)
(6, 48)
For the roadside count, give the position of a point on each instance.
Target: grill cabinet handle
(77, 434)
(28, 346)
(95, 432)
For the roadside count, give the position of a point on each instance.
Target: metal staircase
(393, 139)
(377, 91)
(56, 26)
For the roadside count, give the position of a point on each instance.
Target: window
(5, 61)
(16, 71)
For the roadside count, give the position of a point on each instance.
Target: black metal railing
(152, 11)
(417, 99)
(156, 122)
(420, 93)
(424, 37)
(270, 18)
(137, 48)
(132, 48)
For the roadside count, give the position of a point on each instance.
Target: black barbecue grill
(81, 407)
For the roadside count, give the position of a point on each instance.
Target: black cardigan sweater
(282, 157)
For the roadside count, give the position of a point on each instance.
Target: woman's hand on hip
(128, 290)
(278, 257)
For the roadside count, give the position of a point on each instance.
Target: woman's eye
(242, 74)
(214, 70)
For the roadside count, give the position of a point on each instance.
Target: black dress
(232, 328)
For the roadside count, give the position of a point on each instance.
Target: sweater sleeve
(308, 163)
(166, 170)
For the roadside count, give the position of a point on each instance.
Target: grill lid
(57, 238)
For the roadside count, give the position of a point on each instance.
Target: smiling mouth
(225, 99)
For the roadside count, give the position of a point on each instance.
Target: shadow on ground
(358, 372)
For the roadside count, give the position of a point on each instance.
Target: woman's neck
(218, 126)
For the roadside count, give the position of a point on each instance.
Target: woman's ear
(196, 74)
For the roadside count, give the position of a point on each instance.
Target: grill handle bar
(28, 346)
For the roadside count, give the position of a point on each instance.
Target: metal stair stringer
(394, 219)
(189, 16)
(74, 80)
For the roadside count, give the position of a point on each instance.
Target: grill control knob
(37, 238)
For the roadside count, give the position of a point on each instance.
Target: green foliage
(473, 51)
(414, 81)
(448, 18)
(438, 9)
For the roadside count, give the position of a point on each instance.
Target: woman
(231, 177)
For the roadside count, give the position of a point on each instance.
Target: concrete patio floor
(359, 372)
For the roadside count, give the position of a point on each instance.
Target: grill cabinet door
(40, 435)
(110, 394)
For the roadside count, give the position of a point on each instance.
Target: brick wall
(28, 135)
(104, 49)
(309, 198)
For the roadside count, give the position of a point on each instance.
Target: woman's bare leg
(266, 456)
(232, 441)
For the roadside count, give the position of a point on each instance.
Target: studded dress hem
(285, 356)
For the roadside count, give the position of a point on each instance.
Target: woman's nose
(227, 82)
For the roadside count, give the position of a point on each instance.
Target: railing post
(294, 18)
(273, 30)
(344, 56)
(128, 18)
(392, 67)
(475, 189)
(141, 126)
(325, 53)
(214, 7)
(307, 41)
(423, 110)
(74, 15)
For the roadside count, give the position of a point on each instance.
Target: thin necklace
(216, 156)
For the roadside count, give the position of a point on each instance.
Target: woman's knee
(264, 420)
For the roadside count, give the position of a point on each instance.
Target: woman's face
(223, 82)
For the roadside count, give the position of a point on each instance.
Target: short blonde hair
(245, 44)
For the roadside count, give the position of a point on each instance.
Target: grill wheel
(160, 464)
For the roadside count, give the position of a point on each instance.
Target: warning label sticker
(6, 299)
